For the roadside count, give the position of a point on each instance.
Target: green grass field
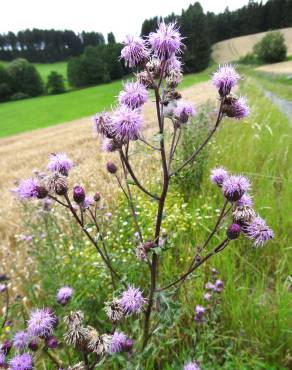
(45, 69)
(30, 114)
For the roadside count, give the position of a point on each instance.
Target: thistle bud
(6, 347)
(128, 345)
(111, 167)
(33, 345)
(42, 192)
(97, 197)
(51, 342)
(78, 194)
(233, 231)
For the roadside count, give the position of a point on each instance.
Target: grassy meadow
(44, 111)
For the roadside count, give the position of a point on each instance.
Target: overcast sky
(119, 16)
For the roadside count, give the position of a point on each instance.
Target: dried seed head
(99, 344)
(57, 183)
(144, 79)
(114, 311)
(76, 334)
(243, 214)
(79, 366)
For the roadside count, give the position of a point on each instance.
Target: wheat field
(231, 50)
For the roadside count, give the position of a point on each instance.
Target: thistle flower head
(209, 286)
(236, 107)
(127, 123)
(245, 201)
(134, 51)
(199, 310)
(117, 342)
(184, 110)
(109, 145)
(192, 366)
(132, 300)
(173, 64)
(258, 231)
(41, 323)
(219, 175)
(102, 124)
(207, 296)
(166, 41)
(21, 362)
(243, 215)
(6, 347)
(76, 335)
(78, 194)
(134, 95)
(144, 79)
(21, 340)
(233, 231)
(87, 203)
(99, 344)
(219, 286)
(60, 162)
(57, 183)
(64, 295)
(224, 79)
(234, 187)
(114, 310)
(30, 188)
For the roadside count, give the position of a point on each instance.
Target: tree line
(46, 46)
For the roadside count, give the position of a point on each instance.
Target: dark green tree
(271, 48)
(25, 78)
(194, 28)
(55, 83)
(111, 38)
(5, 85)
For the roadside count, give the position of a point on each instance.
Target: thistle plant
(158, 73)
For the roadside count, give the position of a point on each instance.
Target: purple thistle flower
(209, 286)
(219, 175)
(245, 201)
(102, 124)
(3, 288)
(128, 345)
(118, 342)
(30, 188)
(88, 202)
(134, 51)
(173, 63)
(192, 366)
(6, 347)
(234, 187)
(127, 123)
(21, 340)
(109, 145)
(60, 162)
(64, 295)
(21, 362)
(166, 41)
(238, 108)
(258, 231)
(134, 95)
(199, 310)
(225, 78)
(41, 323)
(219, 286)
(184, 110)
(132, 300)
(2, 359)
(207, 296)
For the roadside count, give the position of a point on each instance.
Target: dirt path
(22, 153)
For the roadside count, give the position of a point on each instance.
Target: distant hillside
(232, 49)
